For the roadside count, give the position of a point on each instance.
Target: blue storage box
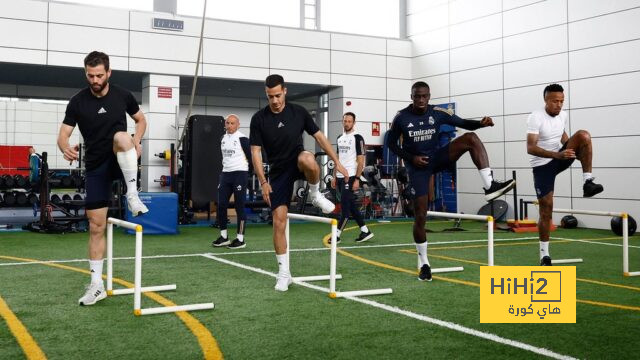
(162, 217)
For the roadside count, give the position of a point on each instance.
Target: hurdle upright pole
(109, 258)
(137, 282)
(490, 240)
(334, 251)
(625, 244)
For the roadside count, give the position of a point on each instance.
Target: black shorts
(419, 177)
(544, 176)
(98, 183)
(282, 186)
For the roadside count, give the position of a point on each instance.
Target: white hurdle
(488, 219)
(137, 288)
(333, 260)
(625, 234)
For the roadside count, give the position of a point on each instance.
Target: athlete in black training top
(278, 129)
(100, 111)
(419, 126)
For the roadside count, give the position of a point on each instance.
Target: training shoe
(93, 294)
(283, 282)
(135, 205)
(425, 273)
(498, 188)
(237, 244)
(220, 241)
(337, 240)
(323, 203)
(364, 236)
(545, 261)
(590, 188)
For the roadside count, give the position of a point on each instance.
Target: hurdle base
(565, 261)
(446, 270)
(128, 291)
(339, 294)
(633, 273)
(315, 277)
(169, 309)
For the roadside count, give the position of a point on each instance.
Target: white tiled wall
(495, 57)
(371, 69)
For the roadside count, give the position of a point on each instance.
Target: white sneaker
(323, 203)
(93, 294)
(283, 282)
(135, 205)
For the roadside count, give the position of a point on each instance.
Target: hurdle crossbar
(625, 233)
(137, 283)
(487, 218)
(333, 260)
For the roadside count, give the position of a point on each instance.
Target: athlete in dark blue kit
(419, 127)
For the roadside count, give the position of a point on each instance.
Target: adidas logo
(280, 125)
(102, 111)
(410, 125)
(132, 180)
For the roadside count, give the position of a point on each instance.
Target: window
(377, 18)
(280, 12)
(142, 5)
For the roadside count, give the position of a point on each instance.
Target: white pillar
(160, 101)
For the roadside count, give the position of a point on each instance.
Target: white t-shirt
(349, 147)
(233, 157)
(549, 130)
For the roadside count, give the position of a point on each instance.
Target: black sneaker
(590, 188)
(237, 244)
(498, 188)
(364, 236)
(545, 261)
(220, 241)
(337, 240)
(425, 273)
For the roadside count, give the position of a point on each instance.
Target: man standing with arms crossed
(351, 153)
(236, 157)
(278, 129)
(100, 111)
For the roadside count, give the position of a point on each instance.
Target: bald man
(236, 157)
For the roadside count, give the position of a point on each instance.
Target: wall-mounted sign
(375, 128)
(168, 24)
(165, 92)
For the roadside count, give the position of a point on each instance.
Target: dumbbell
(8, 180)
(66, 198)
(77, 197)
(77, 181)
(9, 199)
(33, 198)
(21, 198)
(55, 199)
(164, 180)
(66, 181)
(20, 181)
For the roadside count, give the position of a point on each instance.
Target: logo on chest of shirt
(102, 111)
(431, 120)
(280, 125)
(410, 125)
(422, 135)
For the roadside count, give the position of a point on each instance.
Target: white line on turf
(85, 260)
(594, 242)
(265, 251)
(310, 249)
(424, 318)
